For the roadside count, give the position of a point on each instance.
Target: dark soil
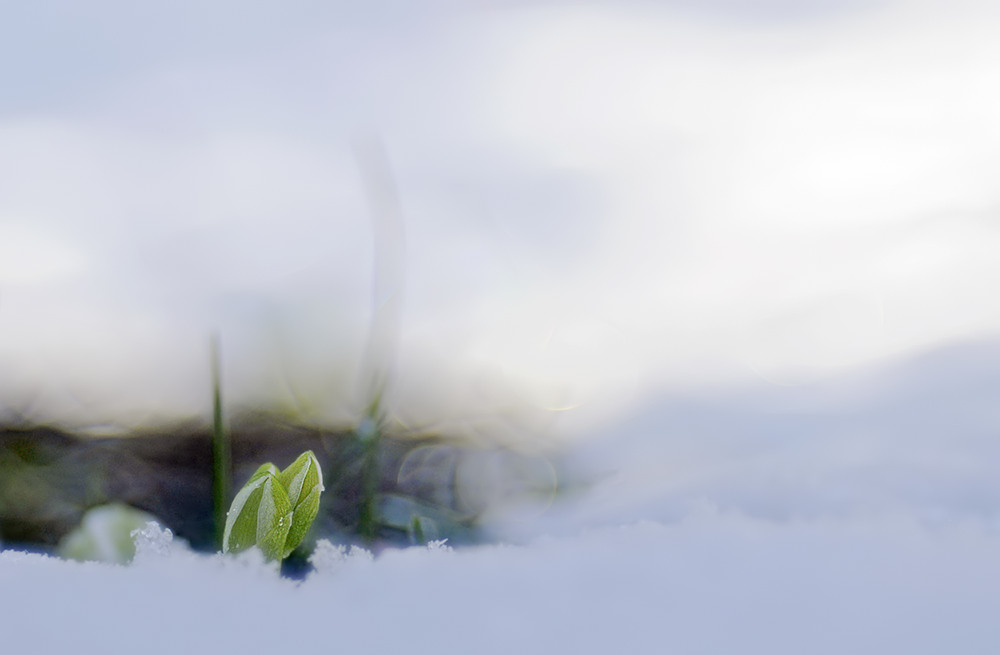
(49, 477)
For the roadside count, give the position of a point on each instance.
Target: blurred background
(633, 231)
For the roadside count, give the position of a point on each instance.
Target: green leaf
(264, 468)
(261, 515)
(274, 518)
(303, 482)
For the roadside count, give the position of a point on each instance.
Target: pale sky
(601, 200)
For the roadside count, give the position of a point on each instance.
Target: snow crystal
(330, 558)
(153, 541)
(439, 546)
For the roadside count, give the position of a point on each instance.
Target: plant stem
(383, 337)
(221, 451)
(369, 433)
(417, 537)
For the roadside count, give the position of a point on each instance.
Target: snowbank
(710, 584)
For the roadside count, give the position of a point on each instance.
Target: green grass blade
(221, 450)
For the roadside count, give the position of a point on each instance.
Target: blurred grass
(377, 490)
(222, 458)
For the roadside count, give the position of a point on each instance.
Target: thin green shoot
(221, 449)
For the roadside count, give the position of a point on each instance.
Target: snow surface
(711, 583)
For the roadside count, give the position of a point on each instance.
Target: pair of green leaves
(275, 509)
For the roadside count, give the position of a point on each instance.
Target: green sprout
(275, 509)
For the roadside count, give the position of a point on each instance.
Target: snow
(711, 583)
